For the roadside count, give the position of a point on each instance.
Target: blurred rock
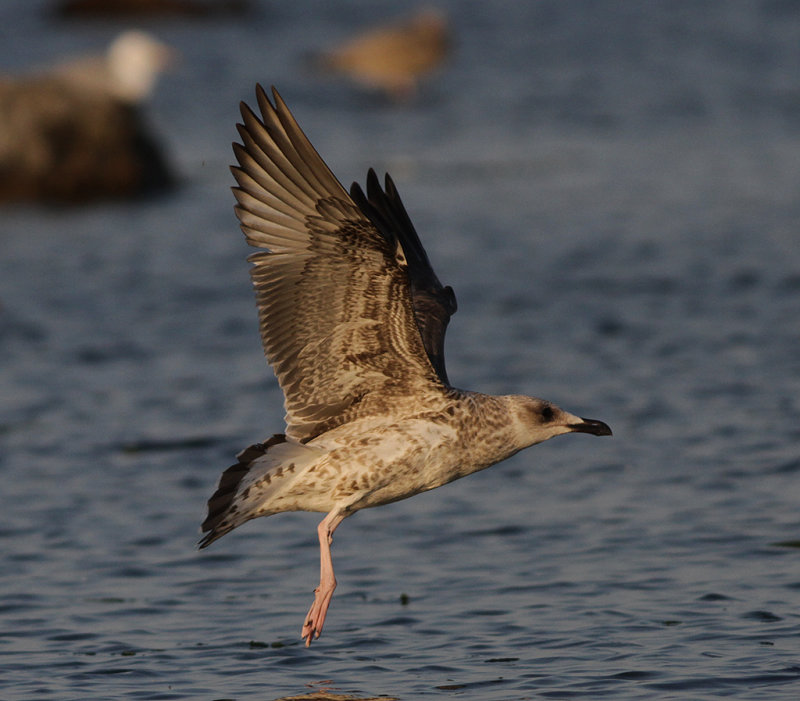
(109, 9)
(75, 133)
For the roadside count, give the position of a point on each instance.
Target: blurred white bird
(74, 132)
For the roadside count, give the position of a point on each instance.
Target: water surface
(611, 189)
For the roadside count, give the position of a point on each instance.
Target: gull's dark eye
(547, 414)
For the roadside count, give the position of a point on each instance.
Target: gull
(352, 319)
(128, 70)
(392, 58)
(75, 132)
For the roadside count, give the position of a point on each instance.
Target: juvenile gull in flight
(352, 319)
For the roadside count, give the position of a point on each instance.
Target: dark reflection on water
(611, 189)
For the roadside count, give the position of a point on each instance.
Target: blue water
(612, 190)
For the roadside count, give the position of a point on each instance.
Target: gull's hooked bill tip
(596, 428)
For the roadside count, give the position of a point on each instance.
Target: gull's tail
(245, 490)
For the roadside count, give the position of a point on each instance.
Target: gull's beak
(596, 428)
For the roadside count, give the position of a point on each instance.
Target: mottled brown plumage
(352, 320)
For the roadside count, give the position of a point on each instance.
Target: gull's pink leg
(312, 627)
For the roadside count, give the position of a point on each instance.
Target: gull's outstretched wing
(335, 310)
(433, 303)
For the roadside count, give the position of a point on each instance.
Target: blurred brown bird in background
(394, 57)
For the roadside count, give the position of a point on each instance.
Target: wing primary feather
(433, 303)
(305, 149)
(271, 151)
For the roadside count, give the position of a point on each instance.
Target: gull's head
(536, 420)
